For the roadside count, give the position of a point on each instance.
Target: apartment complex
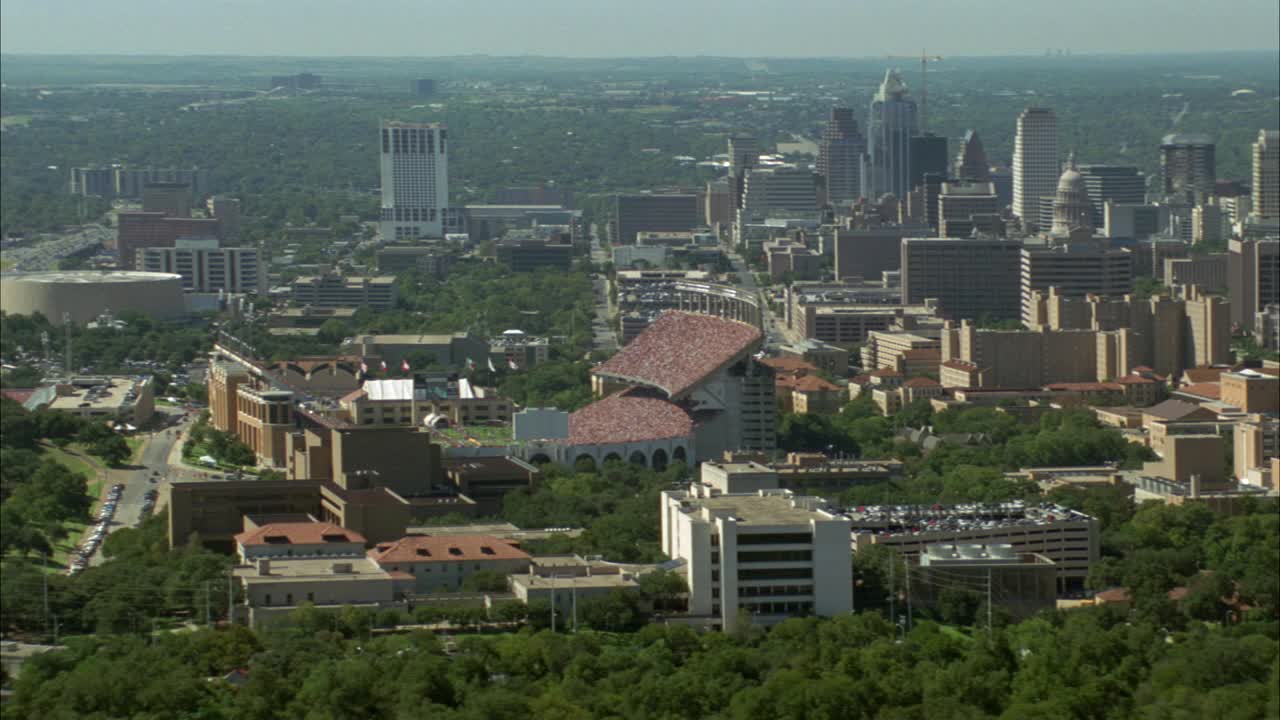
(1208, 272)
(207, 267)
(1076, 269)
(414, 168)
(127, 182)
(905, 352)
(769, 554)
(333, 290)
(979, 358)
(969, 278)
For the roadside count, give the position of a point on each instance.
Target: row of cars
(149, 502)
(85, 550)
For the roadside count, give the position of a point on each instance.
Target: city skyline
(233, 27)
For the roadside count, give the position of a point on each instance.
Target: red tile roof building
(442, 563)
(298, 539)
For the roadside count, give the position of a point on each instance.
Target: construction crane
(924, 59)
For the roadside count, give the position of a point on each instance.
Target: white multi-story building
(415, 181)
(206, 267)
(1035, 162)
(770, 553)
(1266, 175)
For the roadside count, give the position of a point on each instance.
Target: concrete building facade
(768, 555)
(969, 278)
(414, 168)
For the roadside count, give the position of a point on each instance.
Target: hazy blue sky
(855, 28)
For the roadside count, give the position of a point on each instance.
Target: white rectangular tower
(1035, 162)
(415, 181)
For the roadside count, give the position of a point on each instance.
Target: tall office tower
(1071, 206)
(1187, 165)
(1266, 175)
(780, 188)
(415, 181)
(1121, 184)
(965, 207)
(839, 156)
(424, 87)
(1253, 277)
(928, 156)
(744, 154)
(969, 278)
(971, 161)
(1035, 162)
(890, 126)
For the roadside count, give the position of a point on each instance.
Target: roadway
(774, 332)
(603, 336)
(153, 467)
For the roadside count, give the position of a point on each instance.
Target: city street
(603, 335)
(152, 469)
(49, 249)
(774, 332)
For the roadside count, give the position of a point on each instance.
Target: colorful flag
(471, 364)
(512, 364)
(364, 369)
(404, 366)
(384, 365)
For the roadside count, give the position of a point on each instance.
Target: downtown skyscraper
(415, 181)
(1035, 162)
(892, 122)
(840, 157)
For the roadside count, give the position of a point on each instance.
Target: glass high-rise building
(891, 124)
(839, 156)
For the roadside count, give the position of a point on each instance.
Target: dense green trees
(1084, 664)
(106, 350)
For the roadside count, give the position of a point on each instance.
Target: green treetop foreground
(1091, 663)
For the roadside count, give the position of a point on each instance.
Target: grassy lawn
(74, 530)
(8, 120)
(478, 435)
(135, 448)
(954, 632)
(73, 462)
